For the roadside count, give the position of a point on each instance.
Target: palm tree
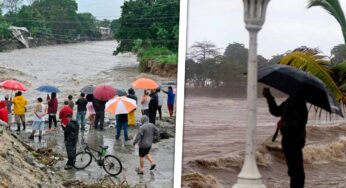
(310, 60)
(333, 7)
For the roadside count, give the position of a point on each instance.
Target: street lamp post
(254, 17)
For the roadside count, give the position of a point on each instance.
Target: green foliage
(154, 21)
(57, 20)
(338, 53)
(309, 60)
(160, 55)
(87, 26)
(333, 7)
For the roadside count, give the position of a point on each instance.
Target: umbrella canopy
(104, 92)
(13, 85)
(48, 89)
(145, 83)
(296, 82)
(121, 105)
(121, 92)
(88, 89)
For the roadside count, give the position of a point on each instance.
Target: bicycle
(108, 162)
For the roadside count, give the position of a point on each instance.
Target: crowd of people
(87, 105)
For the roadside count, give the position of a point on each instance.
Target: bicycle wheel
(83, 160)
(112, 165)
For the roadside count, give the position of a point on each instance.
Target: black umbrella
(88, 89)
(296, 82)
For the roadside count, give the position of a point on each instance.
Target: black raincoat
(71, 138)
(294, 116)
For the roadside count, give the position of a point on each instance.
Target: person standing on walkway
(19, 108)
(38, 119)
(52, 110)
(122, 123)
(99, 107)
(71, 139)
(292, 125)
(170, 100)
(145, 103)
(144, 138)
(8, 102)
(81, 110)
(160, 98)
(153, 104)
(70, 101)
(64, 112)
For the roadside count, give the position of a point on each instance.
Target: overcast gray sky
(102, 9)
(289, 24)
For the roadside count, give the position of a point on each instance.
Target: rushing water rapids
(71, 67)
(214, 141)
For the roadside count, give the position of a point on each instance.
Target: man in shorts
(38, 119)
(170, 100)
(19, 108)
(144, 138)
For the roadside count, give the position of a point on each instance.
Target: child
(71, 138)
(63, 114)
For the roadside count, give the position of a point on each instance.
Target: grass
(161, 55)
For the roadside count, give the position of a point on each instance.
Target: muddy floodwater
(214, 141)
(71, 67)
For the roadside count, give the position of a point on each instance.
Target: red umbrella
(104, 92)
(13, 85)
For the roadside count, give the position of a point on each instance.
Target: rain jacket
(146, 132)
(19, 103)
(71, 133)
(294, 116)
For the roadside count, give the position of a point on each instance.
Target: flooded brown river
(214, 132)
(71, 67)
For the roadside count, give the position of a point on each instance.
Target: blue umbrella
(48, 89)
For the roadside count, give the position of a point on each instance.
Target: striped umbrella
(121, 105)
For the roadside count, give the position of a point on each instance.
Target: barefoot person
(71, 138)
(294, 116)
(19, 108)
(52, 110)
(144, 138)
(38, 119)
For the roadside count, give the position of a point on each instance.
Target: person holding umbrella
(301, 87)
(19, 108)
(292, 125)
(52, 110)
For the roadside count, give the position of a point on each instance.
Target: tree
(236, 52)
(155, 22)
(311, 61)
(104, 23)
(338, 53)
(87, 24)
(333, 7)
(201, 51)
(275, 59)
(12, 5)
